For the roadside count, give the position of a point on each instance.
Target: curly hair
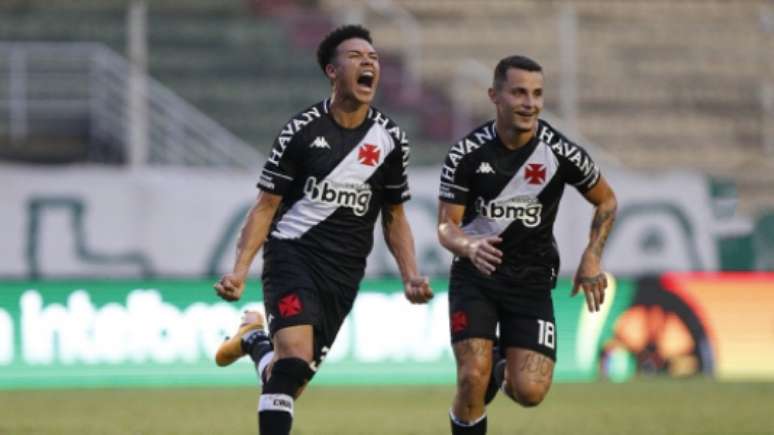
(327, 48)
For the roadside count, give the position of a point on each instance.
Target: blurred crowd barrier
(89, 221)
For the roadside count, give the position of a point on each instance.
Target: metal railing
(56, 87)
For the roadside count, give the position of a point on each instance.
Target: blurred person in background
(499, 195)
(332, 170)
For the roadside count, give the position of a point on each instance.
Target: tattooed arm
(589, 276)
(400, 241)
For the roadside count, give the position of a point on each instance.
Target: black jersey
(334, 182)
(514, 194)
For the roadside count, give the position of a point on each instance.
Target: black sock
(256, 343)
(275, 408)
(274, 423)
(477, 427)
(496, 376)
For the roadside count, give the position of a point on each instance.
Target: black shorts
(294, 294)
(525, 315)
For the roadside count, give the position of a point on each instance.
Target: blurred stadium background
(132, 133)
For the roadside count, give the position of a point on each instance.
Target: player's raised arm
(251, 238)
(481, 250)
(590, 276)
(400, 241)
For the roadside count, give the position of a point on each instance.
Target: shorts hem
(539, 349)
(491, 337)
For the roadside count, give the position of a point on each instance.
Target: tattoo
(589, 279)
(387, 216)
(534, 363)
(600, 229)
(472, 348)
(537, 368)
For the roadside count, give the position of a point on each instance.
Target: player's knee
(288, 375)
(472, 378)
(527, 395)
(298, 349)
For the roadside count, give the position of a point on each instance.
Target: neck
(512, 137)
(348, 112)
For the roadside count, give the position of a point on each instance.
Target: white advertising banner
(96, 221)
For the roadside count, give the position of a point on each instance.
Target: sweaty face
(355, 70)
(519, 101)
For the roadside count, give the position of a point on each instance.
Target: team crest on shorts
(290, 305)
(459, 321)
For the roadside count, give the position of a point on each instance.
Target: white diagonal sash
(517, 193)
(348, 174)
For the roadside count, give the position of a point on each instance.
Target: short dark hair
(326, 51)
(518, 62)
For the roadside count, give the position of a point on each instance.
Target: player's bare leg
(293, 342)
(474, 364)
(289, 372)
(528, 376)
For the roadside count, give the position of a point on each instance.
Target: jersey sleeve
(579, 169)
(455, 179)
(281, 167)
(396, 189)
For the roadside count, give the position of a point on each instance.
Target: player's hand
(484, 255)
(230, 287)
(417, 290)
(592, 280)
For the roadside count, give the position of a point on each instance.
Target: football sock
(261, 365)
(275, 407)
(496, 377)
(257, 344)
(458, 427)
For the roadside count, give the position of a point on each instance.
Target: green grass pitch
(648, 407)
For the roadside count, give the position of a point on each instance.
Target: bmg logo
(524, 208)
(354, 196)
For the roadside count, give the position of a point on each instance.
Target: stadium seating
(660, 84)
(231, 64)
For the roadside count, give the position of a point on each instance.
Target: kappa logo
(485, 168)
(368, 154)
(320, 142)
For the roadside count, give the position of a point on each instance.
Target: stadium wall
(108, 333)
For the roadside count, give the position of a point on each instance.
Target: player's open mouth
(366, 79)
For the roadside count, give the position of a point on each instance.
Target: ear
(330, 71)
(493, 95)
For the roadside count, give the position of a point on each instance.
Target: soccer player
(499, 195)
(333, 168)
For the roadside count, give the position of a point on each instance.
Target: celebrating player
(333, 168)
(499, 195)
